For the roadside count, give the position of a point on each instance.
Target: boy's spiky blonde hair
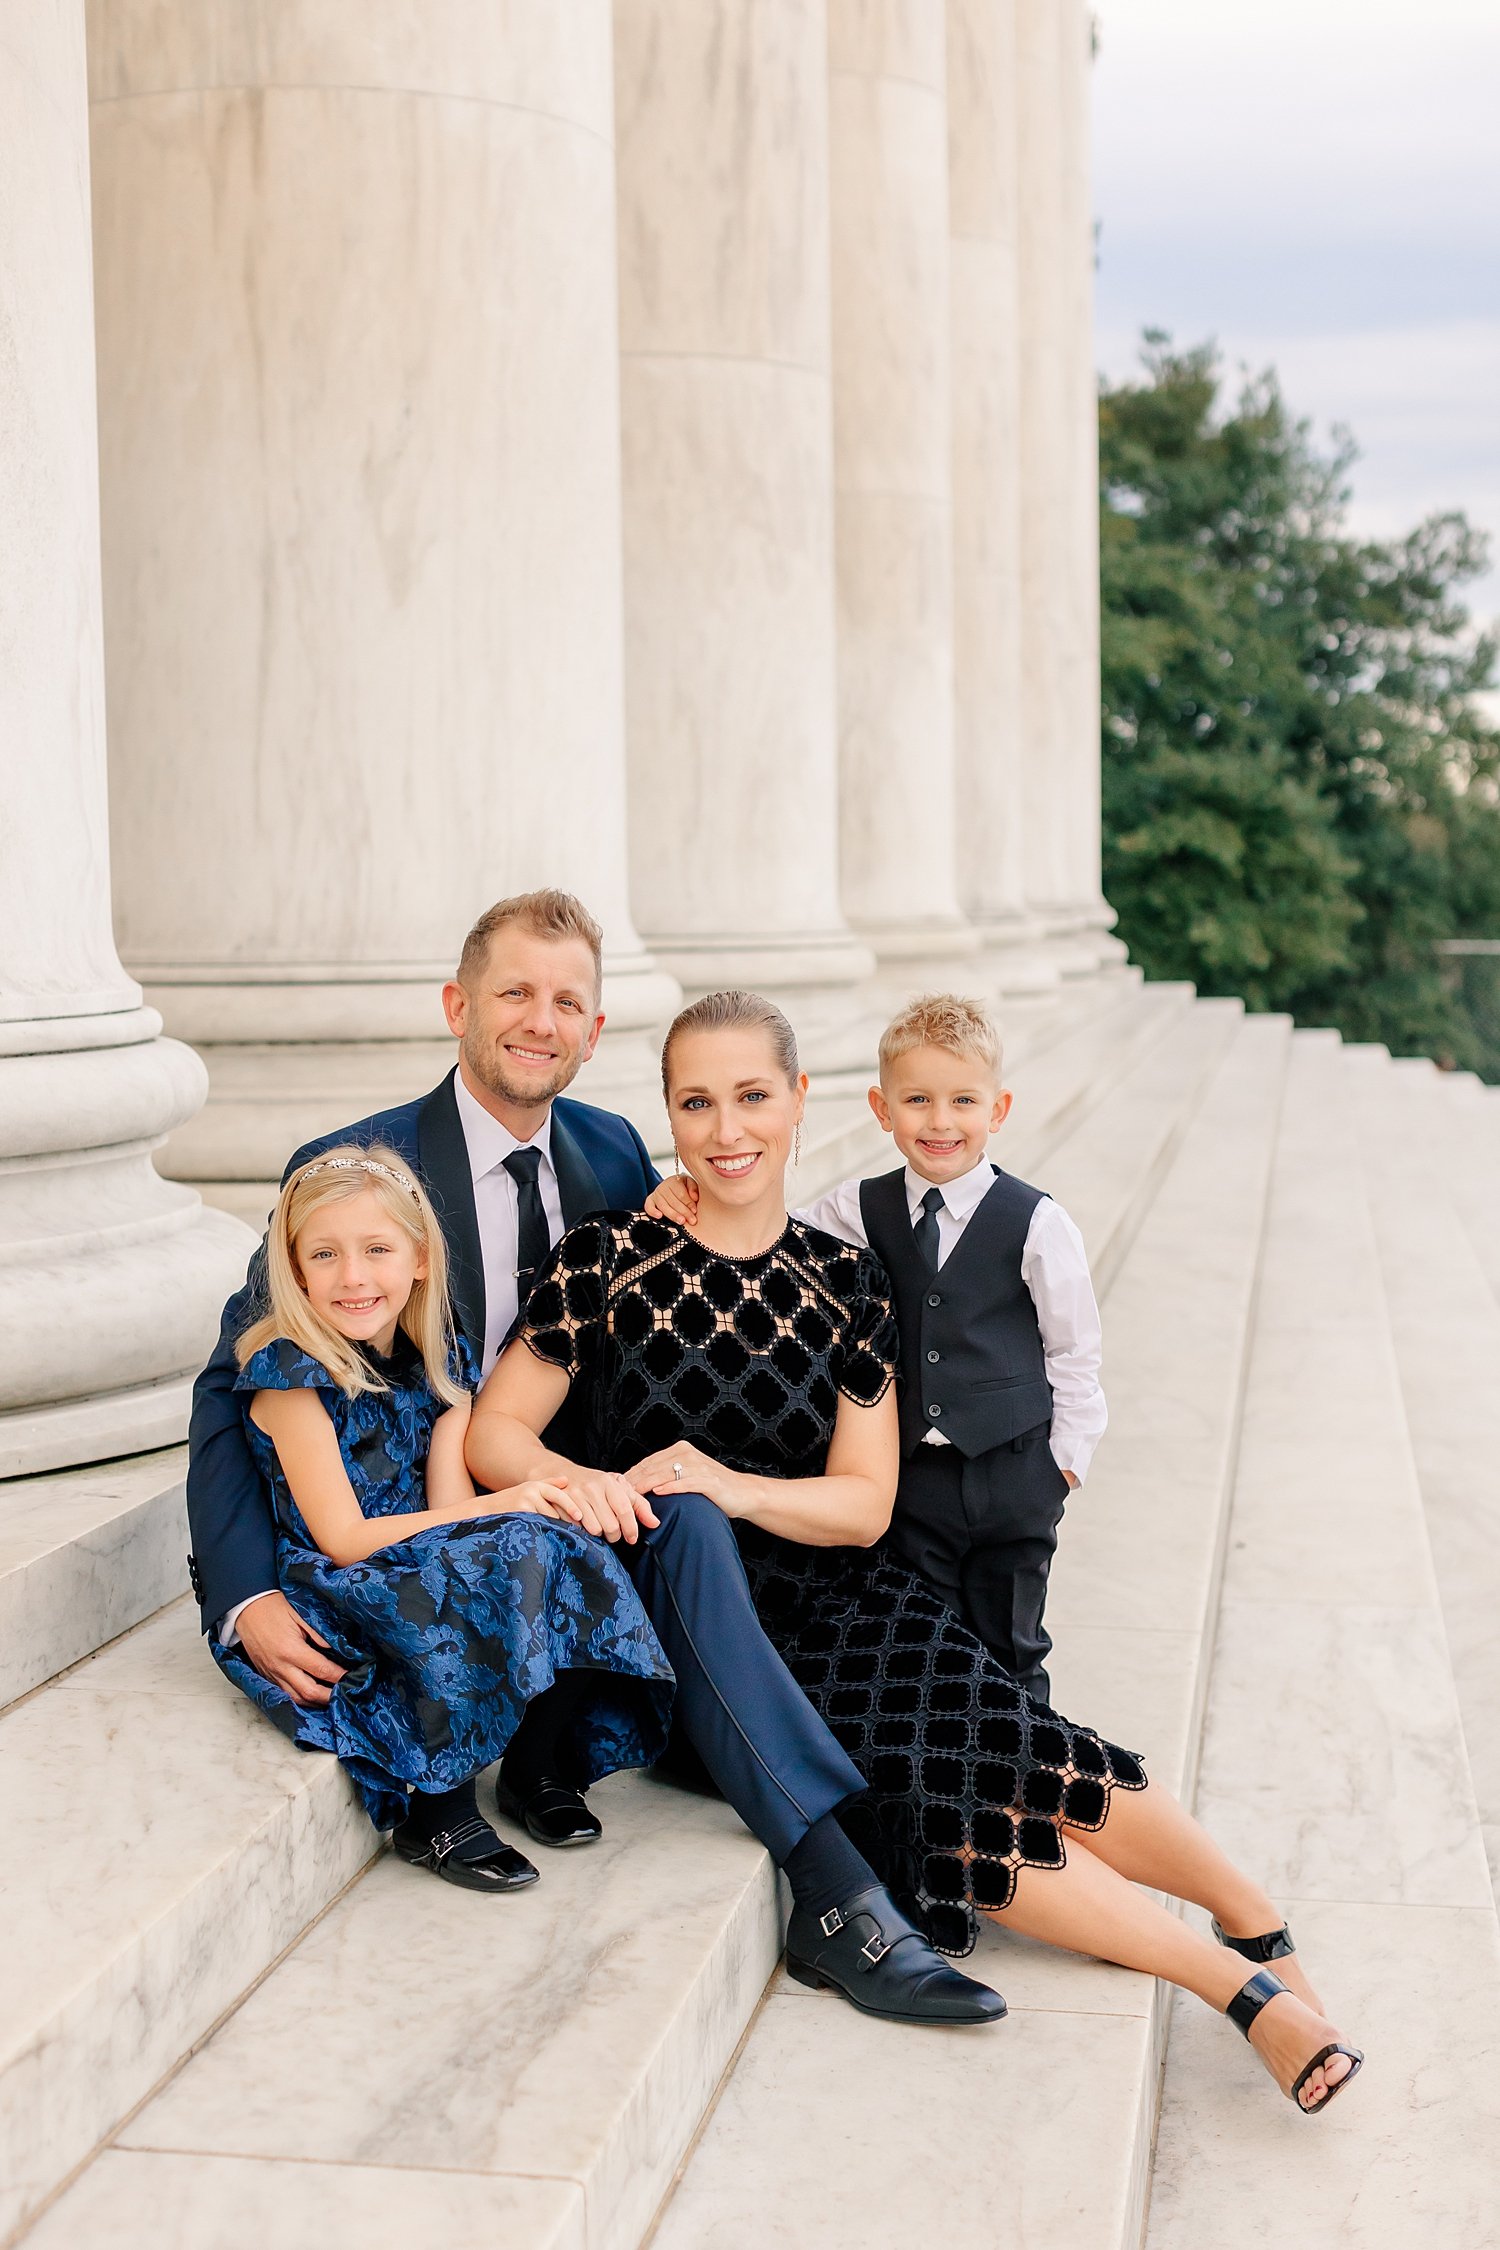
(947, 1020)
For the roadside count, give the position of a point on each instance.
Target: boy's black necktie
(925, 1231)
(533, 1235)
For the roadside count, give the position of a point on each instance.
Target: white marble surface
(112, 1277)
(892, 453)
(985, 353)
(854, 2135)
(133, 2201)
(1333, 1760)
(359, 405)
(1445, 1323)
(575, 2031)
(84, 1555)
(721, 118)
(162, 1845)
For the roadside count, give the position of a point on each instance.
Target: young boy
(1001, 1407)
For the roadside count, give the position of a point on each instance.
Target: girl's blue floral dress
(450, 1634)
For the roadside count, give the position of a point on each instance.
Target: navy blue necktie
(925, 1232)
(533, 1235)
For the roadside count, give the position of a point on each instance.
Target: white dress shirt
(1055, 1269)
(497, 1206)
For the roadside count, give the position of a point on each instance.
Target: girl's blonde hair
(337, 1176)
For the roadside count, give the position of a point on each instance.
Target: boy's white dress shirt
(1055, 1269)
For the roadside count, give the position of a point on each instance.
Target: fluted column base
(112, 1278)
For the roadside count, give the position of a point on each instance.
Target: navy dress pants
(983, 1534)
(763, 1744)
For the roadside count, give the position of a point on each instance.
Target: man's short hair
(546, 914)
(946, 1020)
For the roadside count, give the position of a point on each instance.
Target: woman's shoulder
(282, 1365)
(615, 1240)
(846, 1269)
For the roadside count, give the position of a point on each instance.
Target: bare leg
(1150, 1838)
(1089, 1908)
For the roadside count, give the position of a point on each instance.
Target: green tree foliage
(1299, 790)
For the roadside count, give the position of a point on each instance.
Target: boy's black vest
(972, 1365)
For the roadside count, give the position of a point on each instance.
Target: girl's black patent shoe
(502, 1869)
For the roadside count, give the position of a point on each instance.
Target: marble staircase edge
(1445, 1323)
(1357, 1808)
(726, 2199)
(86, 1554)
(147, 1878)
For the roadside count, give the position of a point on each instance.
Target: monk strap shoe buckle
(831, 1923)
(874, 1948)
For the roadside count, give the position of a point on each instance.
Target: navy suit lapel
(443, 1160)
(577, 1182)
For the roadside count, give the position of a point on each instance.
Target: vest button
(934, 1357)
(934, 1300)
(934, 1412)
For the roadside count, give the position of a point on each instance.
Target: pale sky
(1316, 183)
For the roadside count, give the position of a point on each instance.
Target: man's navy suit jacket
(601, 1165)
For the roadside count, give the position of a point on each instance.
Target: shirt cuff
(1073, 1454)
(229, 1623)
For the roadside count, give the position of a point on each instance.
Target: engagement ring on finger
(677, 1470)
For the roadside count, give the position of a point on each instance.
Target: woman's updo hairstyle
(733, 1011)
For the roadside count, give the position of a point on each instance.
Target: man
(509, 1166)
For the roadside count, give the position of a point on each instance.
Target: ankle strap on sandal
(1274, 1946)
(1252, 1997)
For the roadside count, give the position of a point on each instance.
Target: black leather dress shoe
(551, 1813)
(502, 1869)
(867, 1950)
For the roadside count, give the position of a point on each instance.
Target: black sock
(434, 1812)
(824, 1868)
(535, 1751)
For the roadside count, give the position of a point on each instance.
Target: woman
(752, 1362)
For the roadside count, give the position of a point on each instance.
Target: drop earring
(797, 1144)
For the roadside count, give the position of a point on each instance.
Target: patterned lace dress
(746, 1358)
(448, 1635)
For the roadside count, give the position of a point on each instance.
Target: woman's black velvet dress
(746, 1358)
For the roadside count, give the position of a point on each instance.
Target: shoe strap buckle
(874, 1948)
(832, 1922)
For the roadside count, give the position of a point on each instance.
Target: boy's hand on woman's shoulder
(674, 1198)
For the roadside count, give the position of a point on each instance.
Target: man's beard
(487, 1065)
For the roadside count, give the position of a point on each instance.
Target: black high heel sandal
(1246, 2006)
(1274, 1946)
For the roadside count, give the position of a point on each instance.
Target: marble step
(593, 2060)
(85, 1554)
(1334, 1759)
(1470, 1114)
(161, 1846)
(1445, 1324)
(855, 2136)
(521, 2070)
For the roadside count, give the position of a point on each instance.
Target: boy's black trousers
(983, 1534)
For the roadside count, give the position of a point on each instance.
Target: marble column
(1059, 483)
(721, 113)
(989, 723)
(360, 457)
(111, 1279)
(893, 515)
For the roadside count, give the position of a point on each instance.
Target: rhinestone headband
(361, 1164)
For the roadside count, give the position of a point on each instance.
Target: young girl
(469, 1626)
